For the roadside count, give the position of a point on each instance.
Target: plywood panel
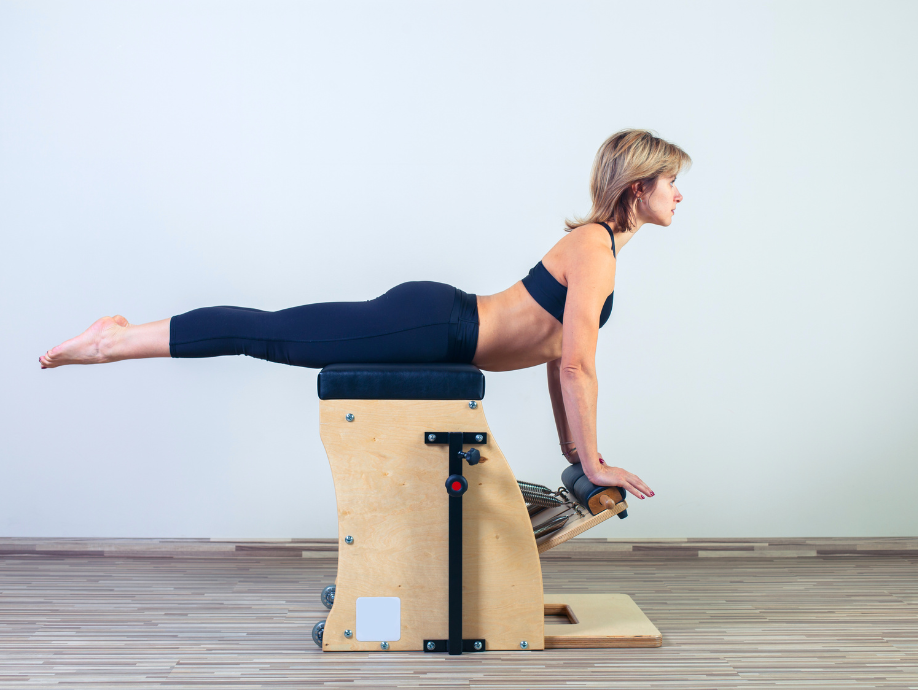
(392, 500)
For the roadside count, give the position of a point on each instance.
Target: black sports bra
(551, 295)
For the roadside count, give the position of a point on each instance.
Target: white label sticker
(379, 619)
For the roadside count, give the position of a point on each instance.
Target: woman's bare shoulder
(589, 235)
(587, 247)
(584, 238)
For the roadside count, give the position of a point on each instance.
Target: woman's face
(659, 204)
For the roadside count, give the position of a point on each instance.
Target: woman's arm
(580, 390)
(590, 278)
(568, 449)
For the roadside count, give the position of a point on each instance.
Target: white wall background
(758, 371)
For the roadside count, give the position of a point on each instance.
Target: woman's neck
(622, 238)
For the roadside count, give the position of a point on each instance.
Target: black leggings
(419, 321)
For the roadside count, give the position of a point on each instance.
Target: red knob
(456, 485)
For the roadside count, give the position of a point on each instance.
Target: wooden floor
(767, 622)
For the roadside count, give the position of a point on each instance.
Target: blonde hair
(628, 156)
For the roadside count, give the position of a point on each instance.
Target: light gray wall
(759, 368)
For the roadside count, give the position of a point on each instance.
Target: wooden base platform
(596, 621)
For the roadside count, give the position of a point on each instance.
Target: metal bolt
(348, 633)
(478, 645)
(524, 645)
(473, 404)
(349, 539)
(479, 438)
(431, 646)
(349, 417)
(384, 645)
(431, 437)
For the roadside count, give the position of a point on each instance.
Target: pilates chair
(438, 543)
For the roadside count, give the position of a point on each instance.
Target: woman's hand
(616, 476)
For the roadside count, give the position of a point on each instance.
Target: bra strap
(606, 226)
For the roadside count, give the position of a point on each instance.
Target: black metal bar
(469, 438)
(443, 645)
(455, 549)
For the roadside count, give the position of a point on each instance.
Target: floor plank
(823, 622)
(579, 548)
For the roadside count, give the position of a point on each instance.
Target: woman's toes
(120, 320)
(48, 359)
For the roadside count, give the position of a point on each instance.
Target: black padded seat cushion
(401, 382)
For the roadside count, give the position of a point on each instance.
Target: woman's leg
(413, 322)
(111, 339)
(409, 323)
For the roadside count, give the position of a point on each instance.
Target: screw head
(349, 417)
(479, 437)
(473, 404)
(431, 646)
(348, 633)
(349, 539)
(524, 645)
(431, 437)
(478, 645)
(384, 645)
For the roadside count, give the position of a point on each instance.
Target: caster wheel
(317, 631)
(328, 596)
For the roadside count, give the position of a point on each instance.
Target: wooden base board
(598, 620)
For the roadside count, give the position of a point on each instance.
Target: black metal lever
(472, 455)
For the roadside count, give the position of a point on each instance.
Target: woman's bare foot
(93, 346)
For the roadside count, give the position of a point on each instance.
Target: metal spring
(534, 488)
(534, 509)
(548, 500)
(552, 525)
(538, 497)
(566, 497)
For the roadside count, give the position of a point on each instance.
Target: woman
(552, 316)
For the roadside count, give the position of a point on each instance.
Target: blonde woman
(552, 316)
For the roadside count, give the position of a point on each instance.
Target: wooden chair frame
(393, 533)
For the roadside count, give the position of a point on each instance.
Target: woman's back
(516, 331)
